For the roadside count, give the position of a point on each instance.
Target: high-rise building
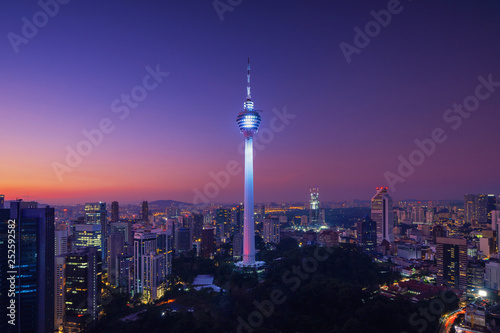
(207, 242)
(482, 209)
(451, 256)
(2, 201)
(237, 246)
(495, 226)
(367, 234)
(150, 266)
(61, 242)
(272, 230)
(197, 226)
(33, 267)
(475, 276)
(248, 121)
(492, 275)
(115, 211)
(223, 223)
(314, 216)
(145, 211)
(183, 240)
(96, 213)
(116, 247)
(125, 228)
(88, 235)
(59, 301)
(237, 219)
(470, 211)
(154, 275)
(82, 288)
(492, 205)
(144, 245)
(382, 213)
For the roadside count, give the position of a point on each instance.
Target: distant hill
(169, 203)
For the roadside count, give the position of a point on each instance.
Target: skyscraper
(207, 242)
(61, 242)
(145, 211)
(470, 208)
(116, 245)
(367, 234)
(115, 211)
(492, 205)
(34, 267)
(59, 304)
(82, 287)
(144, 245)
(272, 230)
(222, 222)
(2, 201)
(382, 213)
(248, 121)
(183, 240)
(314, 218)
(451, 257)
(96, 213)
(482, 209)
(150, 267)
(197, 226)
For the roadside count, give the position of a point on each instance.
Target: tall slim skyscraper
(314, 218)
(115, 211)
(469, 207)
(33, 267)
(2, 201)
(382, 213)
(482, 209)
(492, 205)
(248, 121)
(145, 211)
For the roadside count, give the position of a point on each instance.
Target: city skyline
(353, 114)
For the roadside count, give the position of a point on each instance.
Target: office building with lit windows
(82, 288)
(451, 257)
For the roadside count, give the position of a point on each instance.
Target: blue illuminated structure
(248, 121)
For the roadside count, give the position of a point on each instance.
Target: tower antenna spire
(249, 95)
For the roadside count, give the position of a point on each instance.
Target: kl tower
(248, 121)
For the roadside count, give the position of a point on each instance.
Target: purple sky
(352, 120)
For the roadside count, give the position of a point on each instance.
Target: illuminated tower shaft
(248, 121)
(249, 224)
